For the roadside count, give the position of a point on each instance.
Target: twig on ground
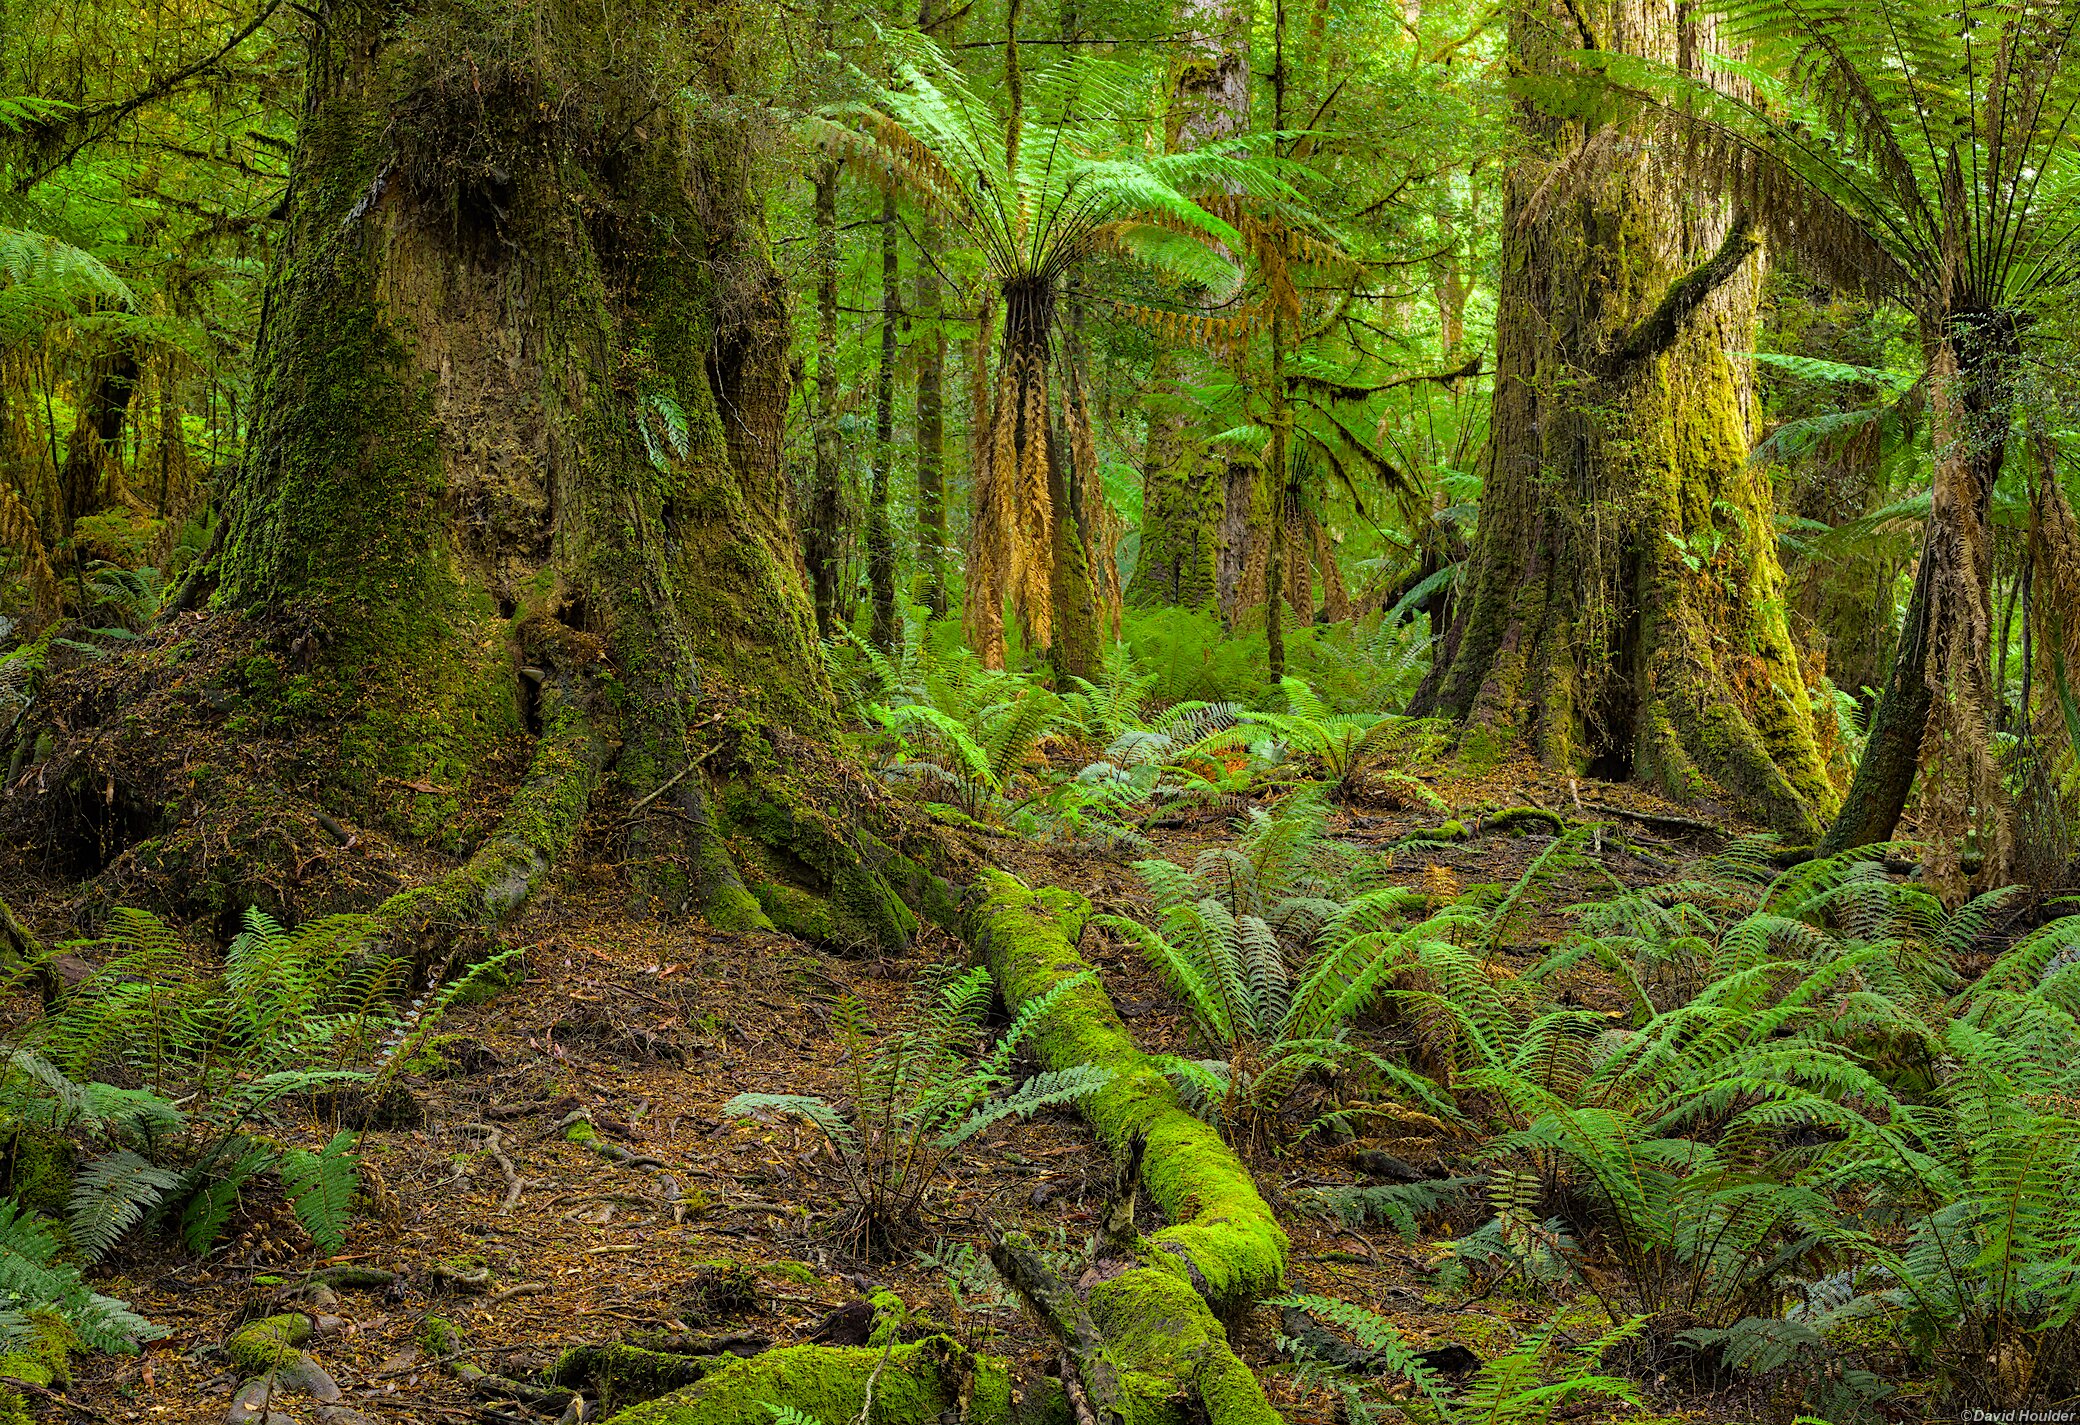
(17, 1383)
(1088, 1373)
(496, 1148)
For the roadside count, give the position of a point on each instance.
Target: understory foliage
(1274, 950)
(1542, 1374)
(171, 1085)
(1803, 1132)
(917, 1094)
(1095, 760)
(36, 1289)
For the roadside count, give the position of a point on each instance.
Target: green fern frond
(111, 1195)
(321, 1188)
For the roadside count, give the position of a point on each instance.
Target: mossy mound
(261, 1346)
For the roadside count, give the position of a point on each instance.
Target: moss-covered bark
(912, 1385)
(515, 460)
(1623, 611)
(1222, 1238)
(1182, 500)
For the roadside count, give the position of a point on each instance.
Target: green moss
(260, 1346)
(44, 1356)
(1166, 1342)
(628, 1375)
(39, 1170)
(486, 982)
(891, 1316)
(798, 1272)
(914, 1385)
(431, 1058)
(580, 1132)
(1480, 750)
(1181, 509)
(1222, 1236)
(854, 907)
(717, 1290)
(440, 1337)
(802, 914)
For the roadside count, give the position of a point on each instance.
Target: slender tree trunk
(931, 422)
(97, 434)
(881, 538)
(1184, 488)
(930, 345)
(823, 531)
(1279, 479)
(984, 611)
(1081, 554)
(1279, 475)
(1623, 611)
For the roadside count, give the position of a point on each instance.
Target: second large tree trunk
(1623, 613)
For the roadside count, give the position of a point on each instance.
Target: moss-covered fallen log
(1166, 1357)
(910, 1385)
(1222, 1236)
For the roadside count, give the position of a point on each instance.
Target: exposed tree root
(1089, 1374)
(18, 939)
(539, 826)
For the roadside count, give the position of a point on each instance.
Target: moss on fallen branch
(1222, 1237)
(1168, 1343)
(913, 1386)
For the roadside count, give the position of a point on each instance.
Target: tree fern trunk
(1935, 716)
(1622, 613)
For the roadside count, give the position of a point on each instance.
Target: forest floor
(647, 1028)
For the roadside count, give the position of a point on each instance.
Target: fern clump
(35, 1286)
(164, 1077)
(1346, 751)
(1383, 1377)
(1273, 964)
(918, 1094)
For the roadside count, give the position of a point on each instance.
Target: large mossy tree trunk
(516, 460)
(1623, 613)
